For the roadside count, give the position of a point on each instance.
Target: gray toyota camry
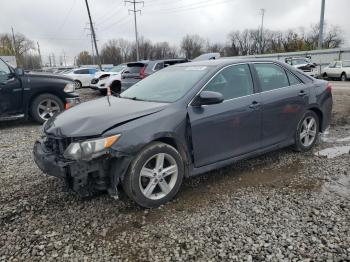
(182, 121)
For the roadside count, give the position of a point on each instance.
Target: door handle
(254, 105)
(302, 93)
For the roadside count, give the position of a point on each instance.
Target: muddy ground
(282, 206)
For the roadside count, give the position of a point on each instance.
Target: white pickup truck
(337, 69)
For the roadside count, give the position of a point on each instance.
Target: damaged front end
(84, 174)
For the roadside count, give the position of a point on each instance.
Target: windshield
(346, 64)
(117, 68)
(167, 85)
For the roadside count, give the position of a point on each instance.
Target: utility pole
(320, 38)
(93, 34)
(262, 10)
(14, 45)
(40, 60)
(53, 60)
(92, 50)
(64, 58)
(134, 3)
(50, 62)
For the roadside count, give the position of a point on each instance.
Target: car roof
(227, 61)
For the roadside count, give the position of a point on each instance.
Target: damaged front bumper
(84, 177)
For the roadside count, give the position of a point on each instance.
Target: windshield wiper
(132, 98)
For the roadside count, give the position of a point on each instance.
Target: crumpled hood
(95, 117)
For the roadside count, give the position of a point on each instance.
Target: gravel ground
(282, 206)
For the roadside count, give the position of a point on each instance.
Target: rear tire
(307, 132)
(45, 106)
(343, 77)
(325, 76)
(155, 175)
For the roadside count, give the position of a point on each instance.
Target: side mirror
(208, 98)
(19, 71)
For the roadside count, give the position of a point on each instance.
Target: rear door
(10, 91)
(284, 98)
(231, 128)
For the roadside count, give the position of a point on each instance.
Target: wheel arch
(34, 96)
(172, 141)
(319, 114)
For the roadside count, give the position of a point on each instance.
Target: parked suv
(304, 64)
(337, 69)
(136, 71)
(37, 95)
(82, 76)
(111, 77)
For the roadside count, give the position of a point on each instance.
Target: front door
(10, 91)
(231, 128)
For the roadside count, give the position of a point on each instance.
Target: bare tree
(192, 45)
(84, 58)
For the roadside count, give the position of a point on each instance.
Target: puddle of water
(340, 186)
(333, 152)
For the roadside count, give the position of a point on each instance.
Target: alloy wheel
(308, 131)
(158, 176)
(47, 108)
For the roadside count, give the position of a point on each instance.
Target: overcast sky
(59, 25)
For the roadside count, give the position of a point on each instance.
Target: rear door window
(271, 77)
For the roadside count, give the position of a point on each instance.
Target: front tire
(307, 132)
(45, 106)
(155, 175)
(78, 84)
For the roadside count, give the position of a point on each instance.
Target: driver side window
(232, 82)
(4, 71)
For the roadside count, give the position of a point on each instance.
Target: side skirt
(200, 170)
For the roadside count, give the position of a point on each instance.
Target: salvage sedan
(183, 121)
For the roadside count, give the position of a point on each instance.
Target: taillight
(142, 72)
(329, 87)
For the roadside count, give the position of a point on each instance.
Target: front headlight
(90, 149)
(69, 88)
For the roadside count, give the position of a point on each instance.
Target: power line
(134, 10)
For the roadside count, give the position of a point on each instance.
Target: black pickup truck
(39, 96)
